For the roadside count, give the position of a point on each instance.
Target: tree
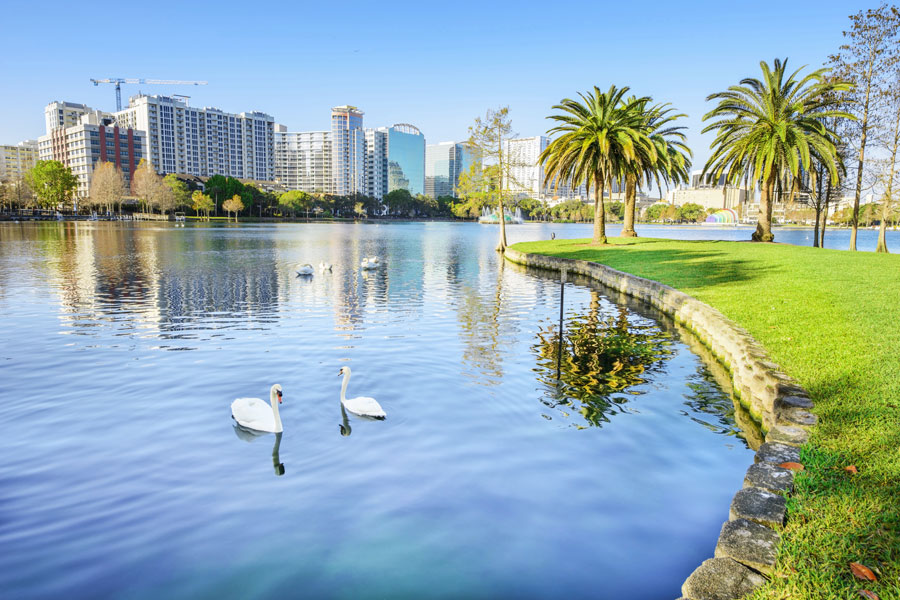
(233, 205)
(181, 196)
(866, 60)
(601, 138)
(202, 203)
(151, 190)
(770, 128)
(52, 183)
(487, 137)
(399, 202)
(107, 186)
(889, 137)
(672, 164)
(655, 212)
(691, 212)
(295, 201)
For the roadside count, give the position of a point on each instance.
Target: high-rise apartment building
(376, 162)
(348, 151)
(526, 174)
(59, 115)
(443, 164)
(303, 160)
(202, 141)
(96, 138)
(16, 160)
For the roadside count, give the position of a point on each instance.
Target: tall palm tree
(673, 158)
(599, 138)
(771, 128)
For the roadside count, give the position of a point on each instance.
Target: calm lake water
(122, 475)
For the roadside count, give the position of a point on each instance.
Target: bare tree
(866, 60)
(488, 136)
(107, 186)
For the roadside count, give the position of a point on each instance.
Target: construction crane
(119, 81)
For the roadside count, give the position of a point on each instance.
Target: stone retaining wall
(747, 546)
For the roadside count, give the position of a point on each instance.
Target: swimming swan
(324, 266)
(305, 270)
(374, 259)
(368, 265)
(361, 406)
(255, 414)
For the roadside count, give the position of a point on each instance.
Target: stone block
(797, 417)
(773, 452)
(721, 579)
(759, 506)
(787, 434)
(792, 401)
(748, 543)
(769, 477)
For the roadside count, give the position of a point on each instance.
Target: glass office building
(443, 164)
(406, 159)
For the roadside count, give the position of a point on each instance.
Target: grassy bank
(831, 319)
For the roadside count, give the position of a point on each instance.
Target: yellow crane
(118, 81)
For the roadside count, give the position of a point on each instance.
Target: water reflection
(345, 423)
(605, 353)
(251, 435)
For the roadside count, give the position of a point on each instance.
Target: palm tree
(771, 128)
(672, 164)
(600, 138)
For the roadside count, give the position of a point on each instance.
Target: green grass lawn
(831, 319)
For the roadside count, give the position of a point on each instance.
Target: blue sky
(436, 65)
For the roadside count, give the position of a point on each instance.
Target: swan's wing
(366, 407)
(253, 413)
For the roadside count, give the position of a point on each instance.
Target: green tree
(691, 212)
(487, 137)
(601, 138)
(399, 202)
(52, 183)
(296, 201)
(655, 212)
(234, 205)
(180, 193)
(773, 127)
(867, 60)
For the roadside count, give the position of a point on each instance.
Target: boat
(489, 217)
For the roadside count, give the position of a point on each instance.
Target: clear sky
(436, 65)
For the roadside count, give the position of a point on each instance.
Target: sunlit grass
(831, 319)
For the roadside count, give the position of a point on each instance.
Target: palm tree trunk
(630, 201)
(599, 212)
(763, 231)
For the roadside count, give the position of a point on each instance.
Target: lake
(123, 475)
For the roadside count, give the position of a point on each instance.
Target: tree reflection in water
(604, 354)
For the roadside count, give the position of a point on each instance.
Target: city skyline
(662, 57)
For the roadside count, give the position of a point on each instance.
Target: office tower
(348, 151)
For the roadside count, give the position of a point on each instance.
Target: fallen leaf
(851, 469)
(862, 572)
(793, 466)
(868, 594)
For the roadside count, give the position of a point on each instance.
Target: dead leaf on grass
(862, 572)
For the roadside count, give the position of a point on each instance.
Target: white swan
(255, 414)
(324, 266)
(373, 259)
(368, 265)
(361, 406)
(306, 269)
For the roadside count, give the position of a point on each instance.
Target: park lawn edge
(831, 320)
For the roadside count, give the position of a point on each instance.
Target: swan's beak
(280, 401)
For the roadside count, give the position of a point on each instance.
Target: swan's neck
(273, 400)
(344, 387)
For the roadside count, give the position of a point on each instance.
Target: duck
(256, 415)
(361, 406)
(365, 264)
(324, 266)
(306, 269)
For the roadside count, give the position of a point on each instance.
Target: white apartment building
(303, 160)
(59, 115)
(202, 141)
(16, 160)
(96, 138)
(526, 175)
(377, 162)
(348, 151)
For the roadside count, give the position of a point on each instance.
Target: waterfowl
(253, 413)
(361, 406)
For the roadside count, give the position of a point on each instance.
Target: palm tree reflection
(603, 355)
